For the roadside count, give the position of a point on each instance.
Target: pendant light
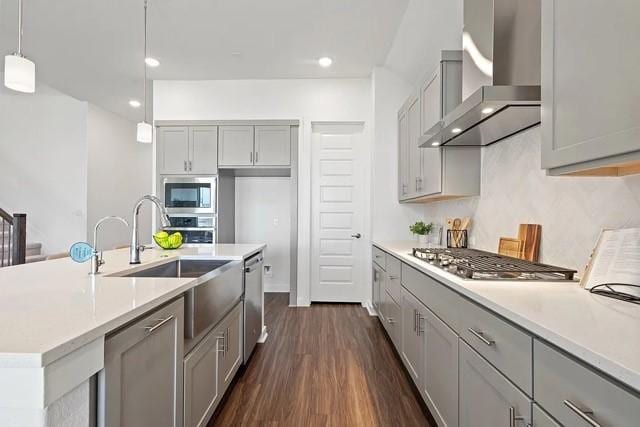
(144, 129)
(19, 72)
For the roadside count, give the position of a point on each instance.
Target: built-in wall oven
(190, 195)
(195, 229)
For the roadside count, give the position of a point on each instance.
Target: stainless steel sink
(218, 289)
(181, 268)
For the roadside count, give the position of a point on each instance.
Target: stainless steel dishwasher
(253, 298)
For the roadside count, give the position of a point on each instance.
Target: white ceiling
(92, 49)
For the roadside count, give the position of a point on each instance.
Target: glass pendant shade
(145, 133)
(19, 73)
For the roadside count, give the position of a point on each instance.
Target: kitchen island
(55, 317)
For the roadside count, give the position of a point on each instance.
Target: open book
(614, 268)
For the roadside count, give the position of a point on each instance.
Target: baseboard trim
(277, 288)
(369, 307)
(263, 336)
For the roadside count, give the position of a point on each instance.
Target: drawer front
(505, 346)
(437, 297)
(392, 319)
(379, 257)
(541, 419)
(394, 283)
(569, 391)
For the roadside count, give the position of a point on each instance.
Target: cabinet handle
(513, 418)
(185, 166)
(251, 157)
(394, 277)
(151, 329)
(190, 168)
(221, 350)
(585, 414)
(391, 320)
(257, 153)
(481, 337)
(415, 317)
(420, 330)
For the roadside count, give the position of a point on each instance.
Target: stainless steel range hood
(500, 75)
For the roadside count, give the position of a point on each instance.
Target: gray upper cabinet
(486, 397)
(203, 150)
(184, 150)
(173, 150)
(141, 383)
(272, 146)
(590, 87)
(235, 146)
(435, 173)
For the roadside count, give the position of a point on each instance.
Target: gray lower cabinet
(487, 398)
(392, 317)
(210, 367)
(141, 383)
(412, 343)
(379, 277)
(590, 117)
(542, 419)
(440, 370)
(577, 396)
(201, 383)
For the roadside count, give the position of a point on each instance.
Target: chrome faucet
(96, 257)
(136, 248)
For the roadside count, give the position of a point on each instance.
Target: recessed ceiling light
(435, 143)
(135, 103)
(487, 110)
(325, 62)
(151, 62)
(456, 130)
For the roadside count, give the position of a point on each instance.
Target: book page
(616, 259)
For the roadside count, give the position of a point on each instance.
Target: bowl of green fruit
(168, 241)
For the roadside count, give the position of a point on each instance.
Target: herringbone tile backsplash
(571, 210)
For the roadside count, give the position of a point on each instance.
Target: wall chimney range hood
(500, 75)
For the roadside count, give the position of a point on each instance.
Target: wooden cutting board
(510, 247)
(530, 234)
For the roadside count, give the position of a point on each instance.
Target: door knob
(357, 235)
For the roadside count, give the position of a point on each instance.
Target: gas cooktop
(481, 265)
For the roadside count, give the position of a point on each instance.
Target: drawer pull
(585, 414)
(513, 418)
(481, 337)
(390, 320)
(394, 277)
(420, 330)
(150, 329)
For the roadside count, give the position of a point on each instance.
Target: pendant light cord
(19, 27)
(144, 62)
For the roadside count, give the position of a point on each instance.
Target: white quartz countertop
(601, 331)
(49, 309)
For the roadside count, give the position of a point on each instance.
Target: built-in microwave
(193, 195)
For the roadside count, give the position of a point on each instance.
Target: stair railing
(13, 238)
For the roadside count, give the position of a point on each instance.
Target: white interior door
(337, 213)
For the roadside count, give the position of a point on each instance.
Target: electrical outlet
(268, 271)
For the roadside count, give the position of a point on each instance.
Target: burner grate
(470, 262)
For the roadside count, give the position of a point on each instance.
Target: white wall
(119, 172)
(571, 210)
(428, 27)
(43, 167)
(263, 215)
(310, 100)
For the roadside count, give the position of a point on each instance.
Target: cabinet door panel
(235, 146)
(581, 124)
(203, 150)
(232, 356)
(273, 146)
(141, 384)
(376, 289)
(431, 101)
(486, 397)
(173, 152)
(440, 370)
(201, 390)
(403, 156)
(412, 339)
(415, 152)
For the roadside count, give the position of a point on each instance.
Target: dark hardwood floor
(326, 365)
